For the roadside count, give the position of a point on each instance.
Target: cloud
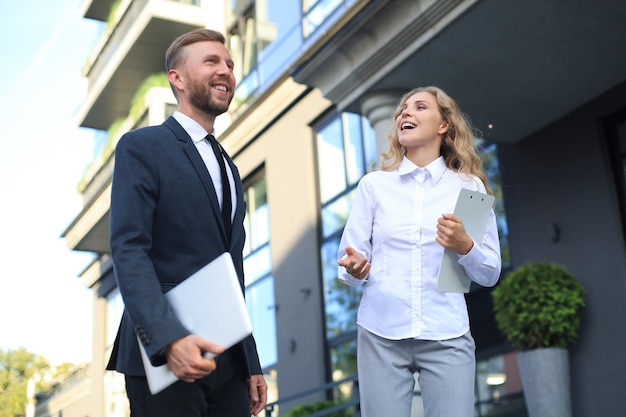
(61, 24)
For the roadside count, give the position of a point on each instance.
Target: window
(499, 387)
(258, 270)
(263, 37)
(488, 152)
(316, 13)
(479, 303)
(243, 48)
(266, 37)
(257, 263)
(346, 150)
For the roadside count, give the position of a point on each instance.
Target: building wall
(73, 398)
(562, 175)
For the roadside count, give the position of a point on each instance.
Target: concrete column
(379, 107)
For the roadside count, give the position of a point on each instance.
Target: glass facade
(346, 150)
(499, 387)
(317, 14)
(259, 280)
(258, 271)
(265, 37)
(491, 166)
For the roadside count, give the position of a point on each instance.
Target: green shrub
(538, 305)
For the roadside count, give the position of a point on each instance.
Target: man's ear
(174, 78)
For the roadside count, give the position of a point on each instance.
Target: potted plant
(537, 308)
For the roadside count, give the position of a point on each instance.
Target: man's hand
(257, 391)
(355, 264)
(185, 357)
(451, 234)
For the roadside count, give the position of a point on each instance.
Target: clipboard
(210, 304)
(473, 208)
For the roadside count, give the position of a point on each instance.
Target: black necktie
(226, 198)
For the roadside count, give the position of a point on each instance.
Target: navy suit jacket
(165, 225)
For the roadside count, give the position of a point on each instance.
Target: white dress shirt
(198, 136)
(393, 224)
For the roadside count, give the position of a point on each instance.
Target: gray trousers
(446, 375)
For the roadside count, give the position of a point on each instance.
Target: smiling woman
(392, 246)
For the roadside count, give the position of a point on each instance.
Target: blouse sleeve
(483, 263)
(357, 232)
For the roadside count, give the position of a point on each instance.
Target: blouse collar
(436, 169)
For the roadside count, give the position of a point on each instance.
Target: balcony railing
(510, 405)
(117, 28)
(354, 402)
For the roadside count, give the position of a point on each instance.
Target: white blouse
(393, 224)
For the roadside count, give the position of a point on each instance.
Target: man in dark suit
(166, 223)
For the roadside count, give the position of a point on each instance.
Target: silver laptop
(473, 208)
(210, 304)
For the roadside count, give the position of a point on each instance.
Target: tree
(16, 368)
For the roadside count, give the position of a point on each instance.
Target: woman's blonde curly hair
(457, 148)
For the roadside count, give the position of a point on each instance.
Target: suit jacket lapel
(202, 171)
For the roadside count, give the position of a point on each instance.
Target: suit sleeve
(252, 357)
(134, 197)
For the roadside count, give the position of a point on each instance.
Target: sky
(44, 306)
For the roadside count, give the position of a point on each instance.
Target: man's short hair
(173, 55)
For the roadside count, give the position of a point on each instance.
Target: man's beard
(201, 97)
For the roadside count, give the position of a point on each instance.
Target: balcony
(96, 9)
(131, 48)
(89, 231)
